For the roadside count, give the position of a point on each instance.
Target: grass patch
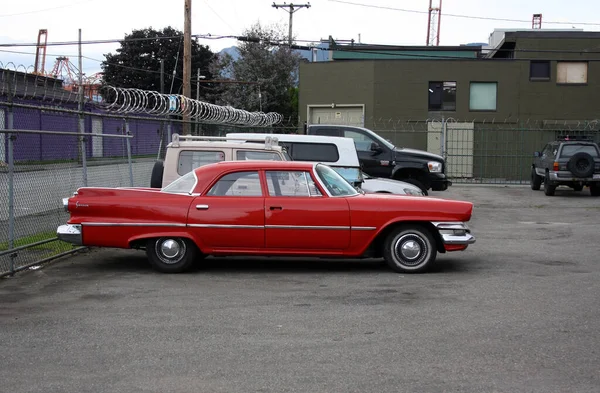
(48, 249)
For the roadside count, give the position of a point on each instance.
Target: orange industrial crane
(40, 53)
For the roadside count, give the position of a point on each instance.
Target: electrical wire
(46, 9)
(461, 16)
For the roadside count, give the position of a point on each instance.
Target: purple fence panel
(114, 147)
(59, 147)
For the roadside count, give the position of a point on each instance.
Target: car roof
(206, 173)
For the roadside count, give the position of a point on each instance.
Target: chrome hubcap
(170, 251)
(410, 249)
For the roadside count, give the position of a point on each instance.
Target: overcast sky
(20, 21)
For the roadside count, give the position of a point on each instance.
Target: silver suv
(571, 161)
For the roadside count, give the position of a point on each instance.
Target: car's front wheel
(171, 254)
(410, 249)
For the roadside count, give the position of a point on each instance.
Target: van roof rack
(269, 141)
(574, 138)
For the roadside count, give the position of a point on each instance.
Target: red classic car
(266, 208)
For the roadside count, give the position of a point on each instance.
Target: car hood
(419, 153)
(375, 206)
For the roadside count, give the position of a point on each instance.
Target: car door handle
(201, 207)
(275, 208)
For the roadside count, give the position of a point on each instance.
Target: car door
(231, 214)
(374, 163)
(299, 217)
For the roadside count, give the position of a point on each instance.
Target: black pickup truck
(380, 158)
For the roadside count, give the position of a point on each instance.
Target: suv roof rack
(176, 138)
(574, 138)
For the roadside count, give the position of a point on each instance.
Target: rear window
(192, 159)
(571, 150)
(314, 152)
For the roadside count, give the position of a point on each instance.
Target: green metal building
(503, 102)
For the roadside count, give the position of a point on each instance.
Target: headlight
(412, 191)
(434, 166)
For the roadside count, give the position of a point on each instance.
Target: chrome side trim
(334, 228)
(226, 226)
(131, 224)
(70, 233)
(363, 228)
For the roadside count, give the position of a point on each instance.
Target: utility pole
(187, 60)
(291, 9)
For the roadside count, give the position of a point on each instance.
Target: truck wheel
(416, 182)
(536, 180)
(595, 189)
(409, 249)
(171, 254)
(549, 188)
(157, 174)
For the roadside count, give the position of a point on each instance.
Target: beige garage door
(346, 115)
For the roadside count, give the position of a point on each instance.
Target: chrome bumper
(454, 232)
(70, 233)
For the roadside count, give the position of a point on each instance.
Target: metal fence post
(129, 161)
(82, 140)
(443, 138)
(11, 189)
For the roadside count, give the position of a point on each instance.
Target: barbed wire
(131, 100)
(18, 80)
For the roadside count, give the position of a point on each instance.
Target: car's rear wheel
(171, 254)
(410, 249)
(549, 187)
(536, 180)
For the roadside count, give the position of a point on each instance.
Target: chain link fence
(48, 152)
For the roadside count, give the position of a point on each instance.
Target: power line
(461, 16)
(46, 9)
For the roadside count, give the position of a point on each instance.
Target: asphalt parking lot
(516, 312)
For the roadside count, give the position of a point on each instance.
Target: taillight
(555, 166)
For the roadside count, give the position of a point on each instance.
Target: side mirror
(537, 154)
(375, 148)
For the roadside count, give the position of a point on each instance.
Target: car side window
(246, 184)
(361, 141)
(291, 184)
(241, 155)
(192, 159)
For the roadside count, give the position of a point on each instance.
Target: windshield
(185, 184)
(381, 140)
(334, 182)
(352, 175)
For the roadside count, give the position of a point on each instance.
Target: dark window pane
(316, 152)
(539, 70)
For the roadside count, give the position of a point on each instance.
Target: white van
(337, 152)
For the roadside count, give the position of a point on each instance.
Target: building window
(571, 72)
(483, 96)
(442, 96)
(539, 70)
